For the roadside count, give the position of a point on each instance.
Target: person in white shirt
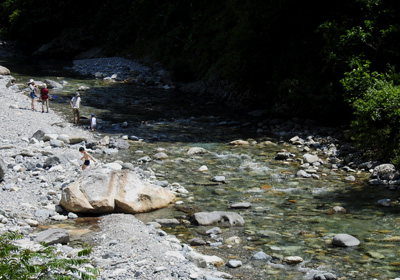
(33, 93)
(75, 104)
(93, 122)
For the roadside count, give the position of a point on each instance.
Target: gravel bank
(29, 195)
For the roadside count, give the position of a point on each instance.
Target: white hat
(31, 81)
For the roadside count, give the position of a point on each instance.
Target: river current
(289, 216)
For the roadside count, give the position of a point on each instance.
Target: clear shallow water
(289, 216)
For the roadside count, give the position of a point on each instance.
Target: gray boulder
(118, 143)
(309, 158)
(38, 135)
(53, 84)
(217, 217)
(384, 172)
(53, 236)
(345, 240)
(261, 256)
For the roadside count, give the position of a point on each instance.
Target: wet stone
(241, 205)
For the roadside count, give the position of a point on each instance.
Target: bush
(375, 100)
(45, 263)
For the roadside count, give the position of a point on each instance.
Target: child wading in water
(86, 156)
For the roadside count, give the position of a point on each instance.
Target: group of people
(44, 95)
(75, 105)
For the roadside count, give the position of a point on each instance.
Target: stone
(4, 71)
(324, 276)
(216, 217)
(203, 168)
(350, 178)
(51, 161)
(196, 242)
(53, 236)
(261, 256)
(56, 143)
(338, 209)
(239, 143)
(64, 138)
(309, 158)
(3, 169)
(76, 139)
(160, 156)
(53, 84)
(384, 172)
(128, 165)
(345, 240)
(386, 202)
(119, 144)
(218, 179)
(292, 260)
(296, 140)
(283, 155)
(102, 190)
(48, 137)
(32, 223)
(196, 151)
(113, 166)
(167, 221)
(39, 134)
(233, 240)
(234, 264)
(241, 205)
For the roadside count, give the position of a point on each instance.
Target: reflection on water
(289, 216)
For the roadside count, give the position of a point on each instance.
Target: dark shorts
(87, 162)
(33, 95)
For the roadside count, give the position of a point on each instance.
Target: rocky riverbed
(35, 183)
(33, 174)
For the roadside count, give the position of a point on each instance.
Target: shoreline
(30, 193)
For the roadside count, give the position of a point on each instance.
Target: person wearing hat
(33, 89)
(93, 122)
(75, 104)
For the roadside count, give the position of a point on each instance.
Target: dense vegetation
(326, 60)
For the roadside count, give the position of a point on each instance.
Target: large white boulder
(104, 190)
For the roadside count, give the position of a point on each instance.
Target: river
(289, 215)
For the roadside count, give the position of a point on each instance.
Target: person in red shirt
(44, 95)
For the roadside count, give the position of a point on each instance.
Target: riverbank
(300, 187)
(31, 187)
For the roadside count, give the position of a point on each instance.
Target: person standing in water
(93, 122)
(86, 157)
(75, 104)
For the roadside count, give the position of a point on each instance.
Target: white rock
(203, 168)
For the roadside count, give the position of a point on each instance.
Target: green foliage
(46, 263)
(376, 103)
